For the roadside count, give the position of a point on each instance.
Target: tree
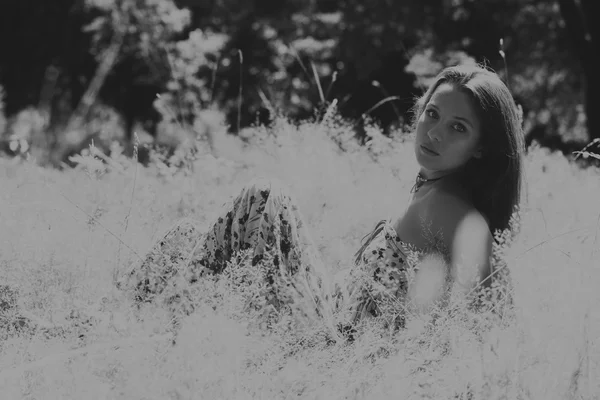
(585, 36)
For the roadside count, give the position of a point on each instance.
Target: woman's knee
(260, 183)
(266, 187)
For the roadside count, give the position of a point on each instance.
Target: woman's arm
(466, 235)
(471, 251)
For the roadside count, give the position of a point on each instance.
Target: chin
(423, 161)
(418, 154)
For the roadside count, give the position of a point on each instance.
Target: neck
(430, 175)
(445, 179)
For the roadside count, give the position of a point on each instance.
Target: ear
(478, 153)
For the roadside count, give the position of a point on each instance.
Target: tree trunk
(585, 36)
(73, 135)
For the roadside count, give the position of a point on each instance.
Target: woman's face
(448, 132)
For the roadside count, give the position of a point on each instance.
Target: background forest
(72, 70)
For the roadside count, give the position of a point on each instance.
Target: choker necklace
(420, 181)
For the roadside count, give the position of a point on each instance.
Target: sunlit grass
(64, 242)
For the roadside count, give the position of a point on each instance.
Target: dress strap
(368, 238)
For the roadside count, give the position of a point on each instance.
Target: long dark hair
(495, 180)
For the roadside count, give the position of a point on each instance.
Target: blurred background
(73, 71)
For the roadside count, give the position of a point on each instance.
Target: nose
(435, 133)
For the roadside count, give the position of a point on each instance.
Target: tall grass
(64, 240)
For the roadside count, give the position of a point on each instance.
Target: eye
(459, 127)
(431, 113)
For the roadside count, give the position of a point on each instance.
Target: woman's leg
(167, 264)
(264, 218)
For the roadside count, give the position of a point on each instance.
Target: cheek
(457, 154)
(473, 149)
(421, 129)
(466, 154)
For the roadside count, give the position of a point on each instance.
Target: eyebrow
(465, 120)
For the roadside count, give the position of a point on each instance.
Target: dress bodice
(382, 243)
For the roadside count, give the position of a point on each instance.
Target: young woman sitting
(469, 145)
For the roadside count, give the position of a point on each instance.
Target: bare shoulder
(457, 221)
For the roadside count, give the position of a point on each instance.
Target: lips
(429, 151)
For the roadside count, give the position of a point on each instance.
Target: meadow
(67, 237)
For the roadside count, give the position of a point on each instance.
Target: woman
(469, 145)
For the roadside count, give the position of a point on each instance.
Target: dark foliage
(291, 57)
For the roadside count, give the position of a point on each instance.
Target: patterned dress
(265, 220)
(378, 283)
